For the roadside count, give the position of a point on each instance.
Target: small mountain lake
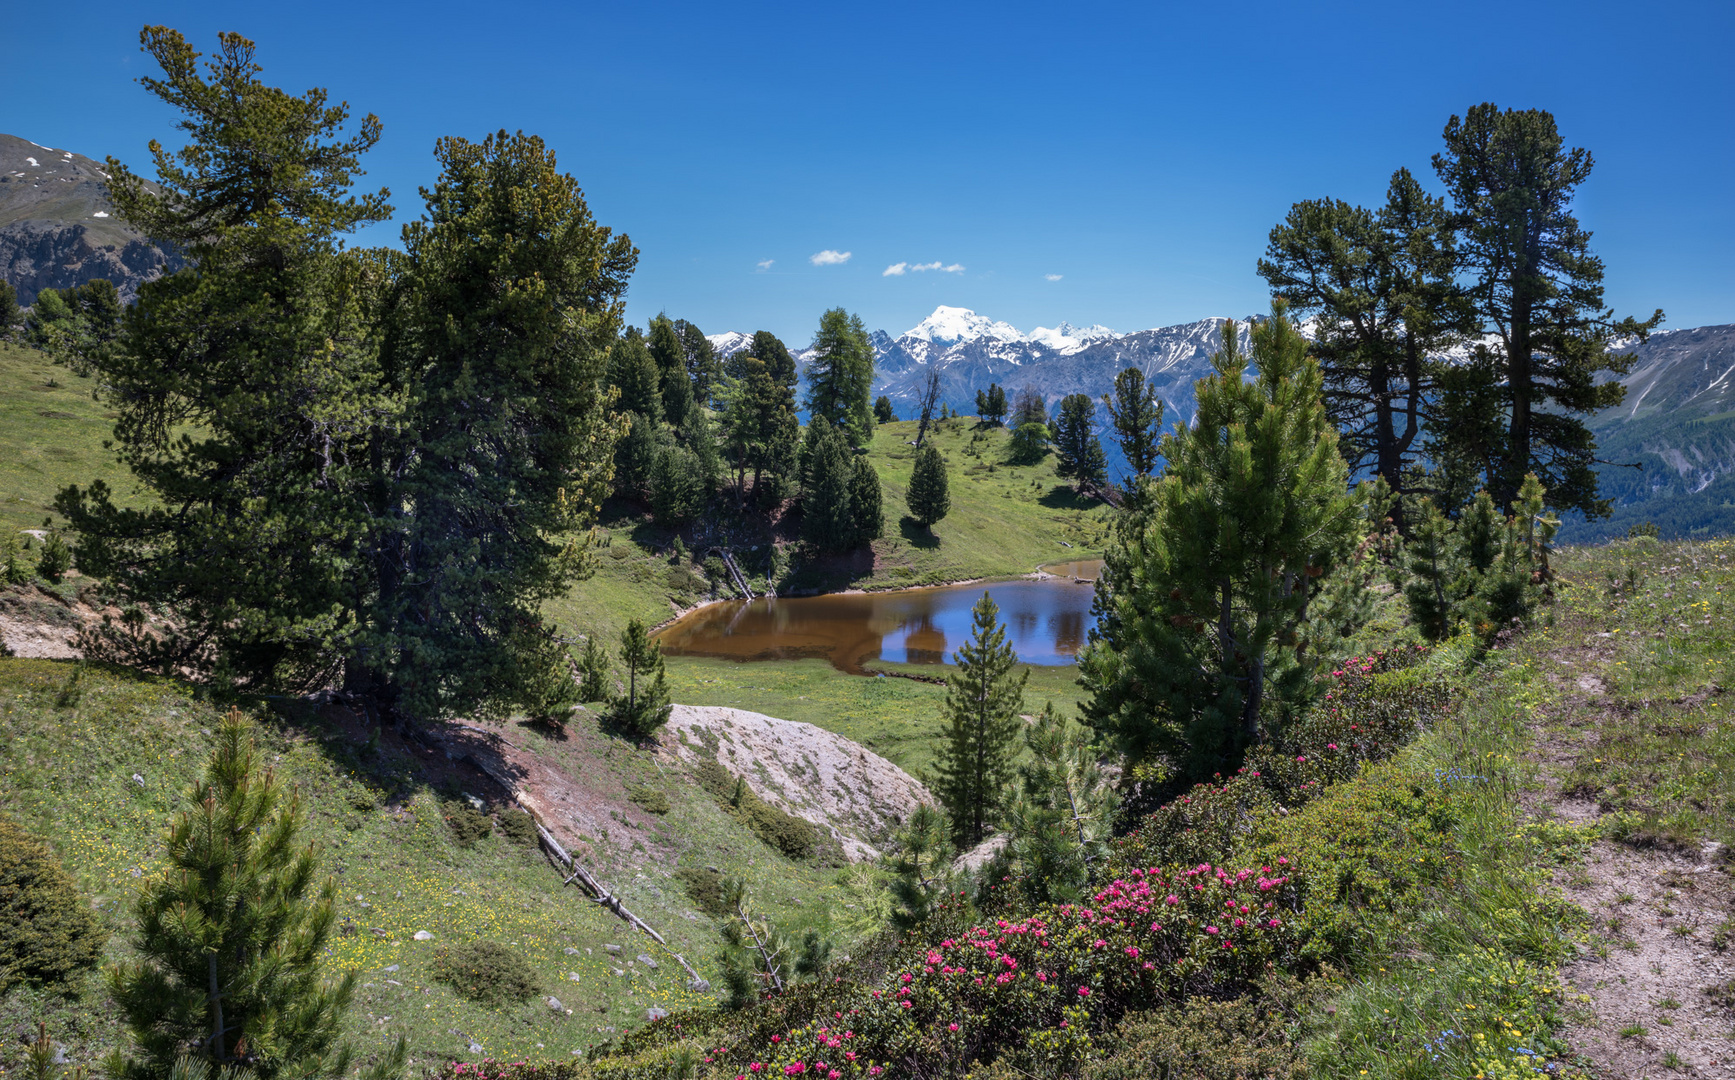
(1046, 621)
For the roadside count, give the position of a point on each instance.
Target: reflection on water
(1080, 569)
(1046, 622)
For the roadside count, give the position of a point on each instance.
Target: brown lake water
(1046, 621)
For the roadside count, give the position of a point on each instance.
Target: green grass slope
(51, 435)
(73, 739)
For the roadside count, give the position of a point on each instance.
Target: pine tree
(828, 473)
(645, 706)
(56, 558)
(928, 496)
(1209, 585)
(1136, 412)
(634, 373)
(1077, 449)
(597, 684)
(701, 359)
(677, 487)
(1061, 819)
(232, 934)
(921, 867)
(973, 770)
(760, 430)
(1029, 444)
(883, 411)
(1030, 408)
(1538, 292)
(670, 355)
(842, 375)
(991, 404)
(700, 437)
(9, 313)
(866, 505)
(1433, 574)
(1379, 285)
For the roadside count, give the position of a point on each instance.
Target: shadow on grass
(1063, 497)
(916, 534)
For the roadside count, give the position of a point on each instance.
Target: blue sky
(1095, 163)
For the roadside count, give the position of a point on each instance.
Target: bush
(468, 824)
(793, 836)
(1210, 1040)
(705, 888)
(48, 937)
(486, 972)
(518, 826)
(648, 799)
(56, 558)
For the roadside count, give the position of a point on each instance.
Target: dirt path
(1653, 981)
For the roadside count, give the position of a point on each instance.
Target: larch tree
(1537, 290)
(231, 935)
(842, 374)
(973, 770)
(1206, 586)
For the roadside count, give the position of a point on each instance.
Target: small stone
(699, 986)
(612, 948)
(617, 971)
(392, 982)
(554, 1004)
(359, 897)
(475, 1048)
(573, 975)
(139, 780)
(422, 935)
(570, 951)
(655, 1014)
(647, 961)
(393, 967)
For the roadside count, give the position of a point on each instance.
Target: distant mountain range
(1677, 425)
(58, 228)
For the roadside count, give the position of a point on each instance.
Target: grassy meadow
(51, 435)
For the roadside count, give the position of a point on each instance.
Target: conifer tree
(701, 359)
(677, 487)
(1076, 446)
(645, 706)
(883, 411)
(596, 684)
(670, 355)
(828, 474)
(973, 770)
(1538, 292)
(633, 371)
(1432, 588)
(760, 430)
(699, 436)
(928, 496)
(9, 313)
(842, 375)
(1136, 412)
(231, 937)
(1029, 444)
(991, 404)
(866, 509)
(1207, 588)
(922, 866)
(1062, 817)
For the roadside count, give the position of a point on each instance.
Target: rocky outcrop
(858, 796)
(37, 255)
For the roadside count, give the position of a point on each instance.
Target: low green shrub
(48, 937)
(793, 836)
(486, 972)
(1257, 1035)
(649, 799)
(705, 888)
(468, 824)
(518, 825)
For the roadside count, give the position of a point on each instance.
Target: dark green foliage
(770, 351)
(670, 354)
(486, 972)
(636, 457)
(645, 706)
(1379, 285)
(1030, 408)
(468, 823)
(1434, 581)
(1136, 412)
(1029, 444)
(921, 866)
(74, 325)
(973, 770)
(1076, 446)
(517, 825)
(1538, 290)
(866, 504)
(9, 311)
(1255, 1036)
(393, 448)
(760, 432)
(991, 404)
(1487, 570)
(230, 938)
(793, 836)
(649, 799)
(48, 936)
(842, 374)
(595, 683)
(699, 436)
(759, 958)
(928, 496)
(56, 558)
(1208, 581)
(701, 360)
(704, 887)
(883, 411)
(828, 472)
(1063, 813)
(13, 568)
(634, 373)
(678, 491)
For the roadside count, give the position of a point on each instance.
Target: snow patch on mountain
(956, 325)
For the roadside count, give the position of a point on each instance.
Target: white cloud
(955, 268)
(829, 257)
(764, 264)
(898, 268)
(935, 265)
(1053, 277)
(895, 270)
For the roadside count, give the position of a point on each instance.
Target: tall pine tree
(1076, 446)
(973, 770)
(1136, 412)
(842, 375)
(929, 496)
(644, 707)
